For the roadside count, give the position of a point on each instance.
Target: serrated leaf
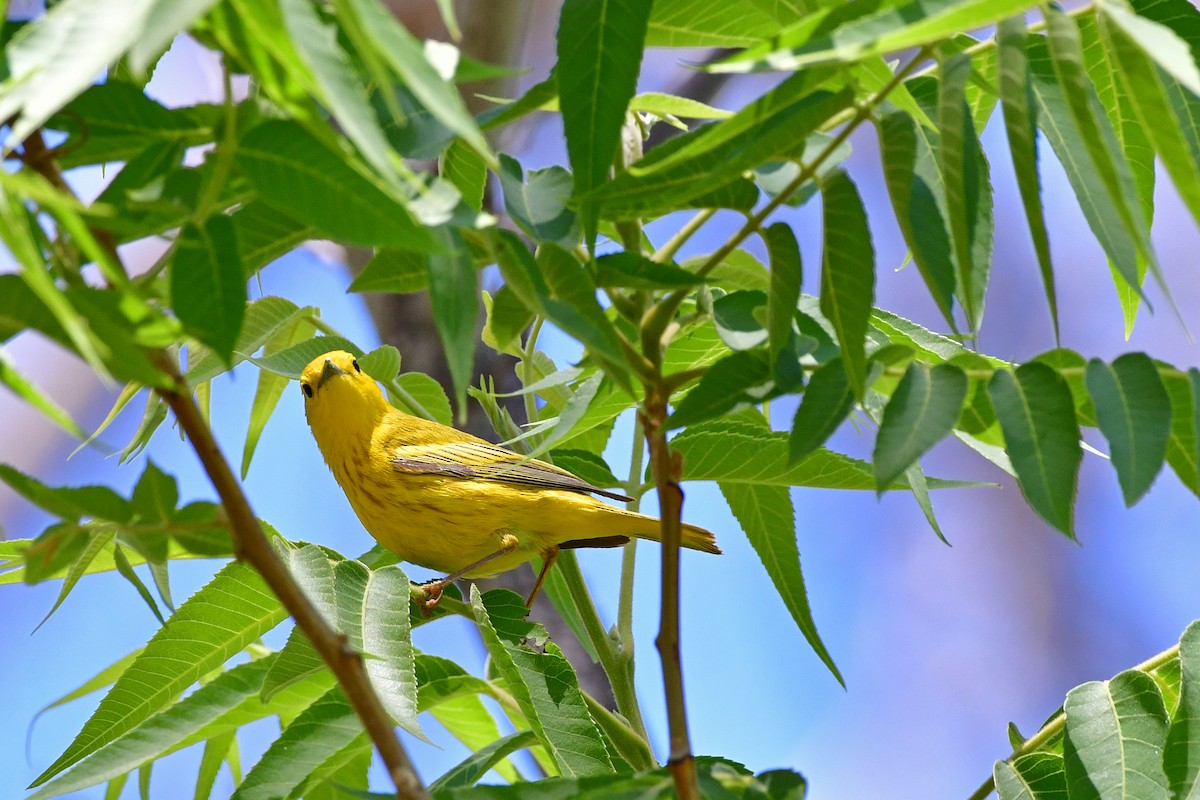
(786, 276)
(729, 451)
(219, 708)
(320, 731)
(208, 284)
(1183, 446)
(1111, 170)
(314, 183)
(1037, 415)
(847, 274)
(1133, 42)
(291, 361)
(891, 28)
(918, 195)
(734, 380)
(452, 292)
(68, 502)
(1133, 410)
(404, 53)
(635, 271)
(710, 157)
(921, 412)
(264, 318)
(475, 766)
(464, 168)
(1020, 126)
(428, 393)
(766, 515)
(543, 684)
(270, 386)
(826, 403)
(1037, 776)
(599, 45)
(1114, 737)
(968, 189)
(1181, 752)
(234, 609)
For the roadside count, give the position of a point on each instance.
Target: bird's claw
(433, 596)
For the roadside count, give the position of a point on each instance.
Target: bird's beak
(328, 371)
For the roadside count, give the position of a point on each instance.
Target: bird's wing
(484, 461)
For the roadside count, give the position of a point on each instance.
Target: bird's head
(339, 396)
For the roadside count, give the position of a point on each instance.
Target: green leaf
(270, 386)
(729, 451)
(599, 49)
(311, 181)
(968, 189)
(538, 202)
(635, 271)
(1037, 776)
(31, 393)
(68, 502)
(741, 378)
(699, 23)
(1183, 446)
(738, 320)
(264, 234)
(826, 403)
(1020, 125)
(398, 271)
(1037, 415)
(404, 53)
(1181, 753)
(380, 600)
(1134, 42)
(922, 411)
(891, 28)
(428, 393)
(320, 731)
(208, 285)
(54, 60)
(336, 83)
(769, 521)
(291, 361)
(453, 294)
(543, 684)
(475, 766)
(1134, 413)
(1114, 738)
(664, 105)
(464, 168)
(786, 272)
(1110, 167)
(123, 122)
(915, 185)
(233, 610)
(219, 707)
(847, 274)
(696, 163)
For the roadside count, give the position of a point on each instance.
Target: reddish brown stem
(667, 469)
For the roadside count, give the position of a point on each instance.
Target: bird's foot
(433, 596)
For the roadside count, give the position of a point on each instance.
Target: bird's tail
(642, 527)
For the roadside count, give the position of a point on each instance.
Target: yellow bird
(451, 501)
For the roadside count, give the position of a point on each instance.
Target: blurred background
(940, 646)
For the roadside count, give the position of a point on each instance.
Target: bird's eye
(357, 368)
(307, 389)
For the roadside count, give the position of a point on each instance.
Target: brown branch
(667, 469)
(252, 545)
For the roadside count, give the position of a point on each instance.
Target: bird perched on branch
(451, 501)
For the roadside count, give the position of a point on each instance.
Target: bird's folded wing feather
(483, 461)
